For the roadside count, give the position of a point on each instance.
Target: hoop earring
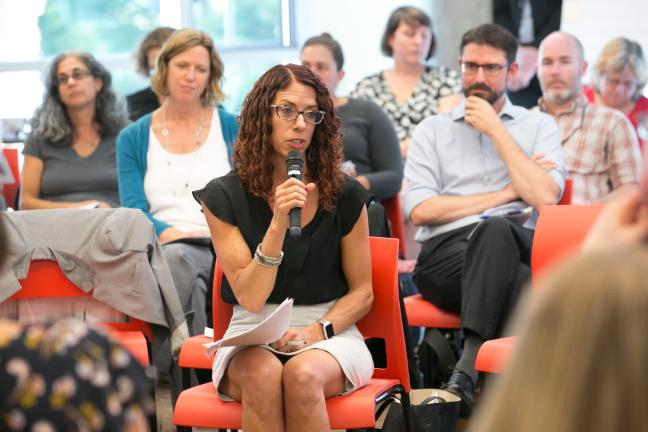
(311, 156)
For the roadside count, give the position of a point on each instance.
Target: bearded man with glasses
(475, 179)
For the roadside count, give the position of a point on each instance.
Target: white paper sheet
(267, 331)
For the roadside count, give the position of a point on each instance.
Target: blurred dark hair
(409, 15)
(493, 35)
(155, 39)
(327, 40)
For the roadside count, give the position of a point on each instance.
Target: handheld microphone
(294, 164)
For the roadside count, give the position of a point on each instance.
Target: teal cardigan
(132, 147)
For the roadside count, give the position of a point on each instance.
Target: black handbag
(436, 413)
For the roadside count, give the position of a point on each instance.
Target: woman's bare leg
(253, 377)
(308, 379)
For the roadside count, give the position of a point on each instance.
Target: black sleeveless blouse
(311, 271)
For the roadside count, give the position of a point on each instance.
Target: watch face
(328, 328)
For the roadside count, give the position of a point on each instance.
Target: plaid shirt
(600, 150)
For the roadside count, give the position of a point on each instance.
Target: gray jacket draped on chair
(113, 252)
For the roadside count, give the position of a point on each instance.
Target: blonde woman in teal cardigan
(178, 148)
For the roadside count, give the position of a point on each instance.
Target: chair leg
(407, 412)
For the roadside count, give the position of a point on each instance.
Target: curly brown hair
(253, 150)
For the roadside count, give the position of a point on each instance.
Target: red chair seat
(422, 313)
(559, 234)
(200, 406)
(345, 412)
(135, 343)
(493, 354)
(193, 354)
(45, 279)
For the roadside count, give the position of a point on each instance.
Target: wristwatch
(327, 328)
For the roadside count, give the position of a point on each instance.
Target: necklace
(165, 131)
(186, 181)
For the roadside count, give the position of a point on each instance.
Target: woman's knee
(302, 382)
(256, 371)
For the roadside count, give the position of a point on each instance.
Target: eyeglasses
(471, 68)
(285, 112)
(77, 75)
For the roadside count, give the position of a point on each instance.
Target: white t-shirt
(171, 177)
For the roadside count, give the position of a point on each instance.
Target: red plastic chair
(566, 198)
(45, 279)
(9, 190)
(200, 406)
(559, 233)
(394, 213)
(422, 313)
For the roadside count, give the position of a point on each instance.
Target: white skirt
(348, 347)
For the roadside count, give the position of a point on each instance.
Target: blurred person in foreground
(68, 376)
(579, 363)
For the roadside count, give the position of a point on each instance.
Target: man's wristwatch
(327, 328)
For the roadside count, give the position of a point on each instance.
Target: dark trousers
(477, 271)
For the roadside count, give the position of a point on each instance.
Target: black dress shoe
(461, 385)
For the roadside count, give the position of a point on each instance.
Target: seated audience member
(580, 360)
(327, 271)
(182, 145)
(70, 152)
(467, 171)
(146, 101)
(411, 90)
(530, 21)
(369, 141)
(600, 147)
(620, 76)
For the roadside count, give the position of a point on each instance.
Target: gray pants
(191, 266)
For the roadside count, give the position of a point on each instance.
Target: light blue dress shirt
(449, 157)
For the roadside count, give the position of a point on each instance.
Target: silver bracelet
(267, 261)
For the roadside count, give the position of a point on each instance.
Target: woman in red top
(619, 78)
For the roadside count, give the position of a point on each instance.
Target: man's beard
(491, 96)
(560, 96)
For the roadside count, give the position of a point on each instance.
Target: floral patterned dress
(435, 83)
(69, 377)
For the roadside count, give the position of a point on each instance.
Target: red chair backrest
(383, 321)
(45, 279)
(559, 233)
(394, 214)
(9, 190)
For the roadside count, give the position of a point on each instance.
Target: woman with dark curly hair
(70, 152)
(327, 271)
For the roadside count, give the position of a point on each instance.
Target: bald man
(600, 148)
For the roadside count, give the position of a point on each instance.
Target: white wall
(595, 22)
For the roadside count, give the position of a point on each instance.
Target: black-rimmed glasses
(286, 112)
(77, 75)
(489, 68)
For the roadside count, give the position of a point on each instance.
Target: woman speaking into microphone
(327, 270)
